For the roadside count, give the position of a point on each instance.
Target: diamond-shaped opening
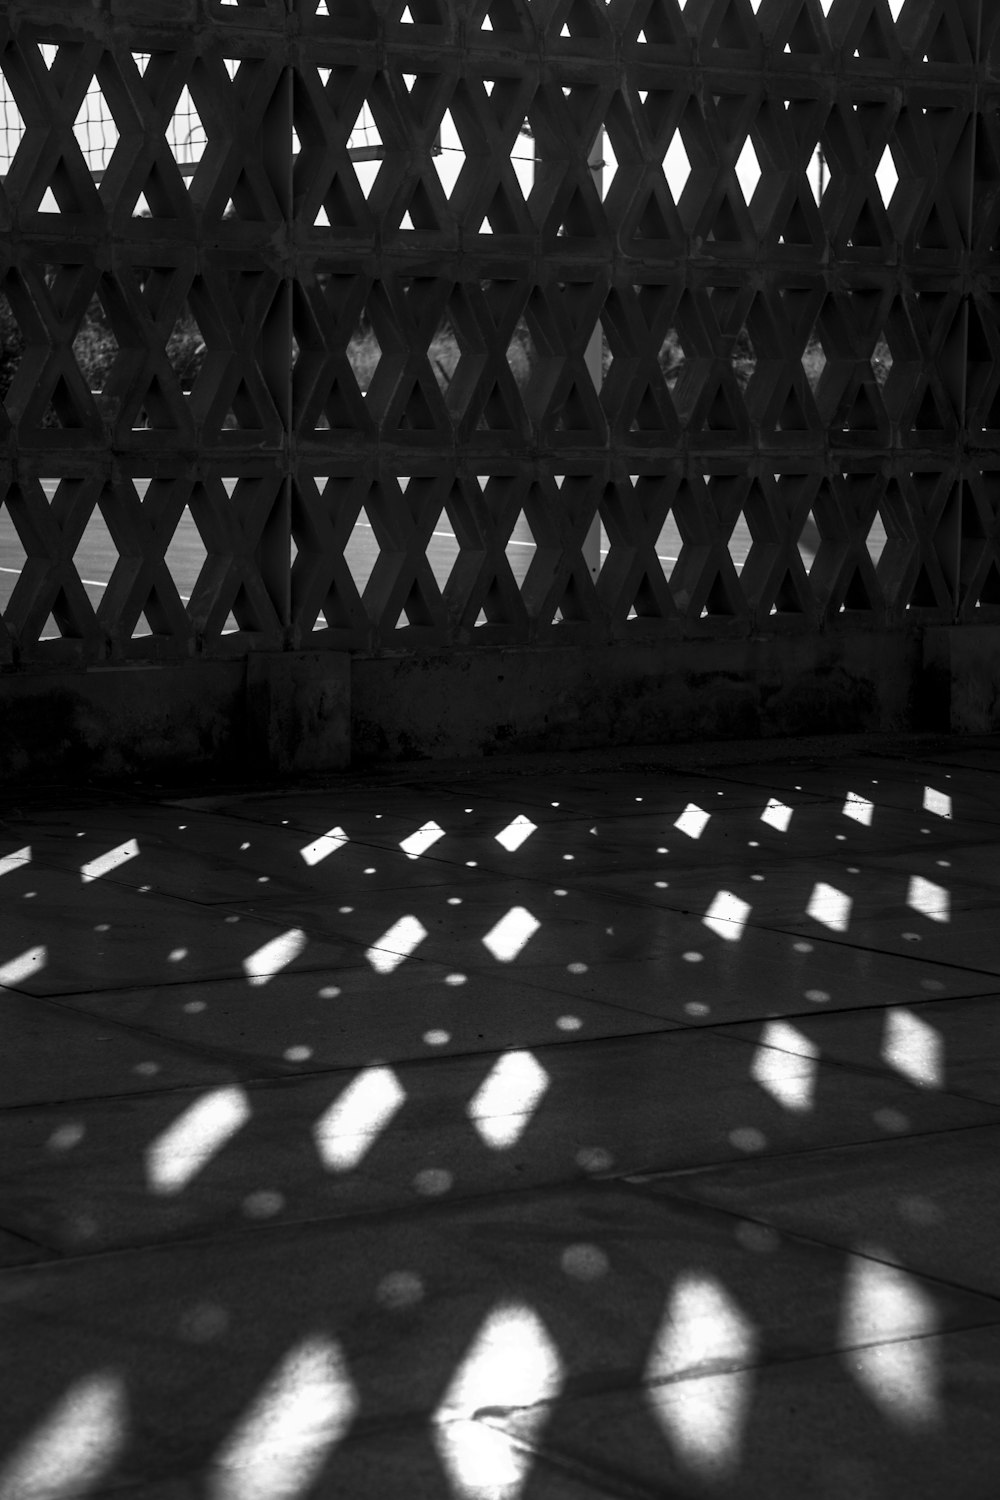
(818, 174)
(813, 359)
(95, 348)
(672, 357)
(449, 154)
(95, 129)
(676, 166)
(886, 176)
(876, 539)
(186, 555)
(744, 358)
(362, 550)
(522, 355)
(12, 557)
(363, 354)
(365, 148)
(11, 127)
(520, 549)
(186, 135)
(881, 360)
(740, 542)
(809, 540)
(522, 157)
(443, 549)
(606, 167)
(748, 170)
(95, 556)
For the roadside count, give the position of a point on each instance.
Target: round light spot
(577, 968)
(892, 1120)
(28, 895)
(194, 1007)
(456, 979)
(298, 1054)
(371, 870)
(244, 847)
(345, 911)
(232, 919)
(65, 1137)
(569, 856)
(399, 1290)
(944, 864)
(760, 1238)
(756, 877)
(177, 955)
(840, 837)
(569, 1023)
(147, 1069)
(925, 830)
(471, 864)
(818, 997)
(933, 986)
(145, 888)
(663, 851)
(853, 870)
(263, 1204)
(103, 927)
(696, 1008)
(437, 1037)
(203, 1323)
(747, 1138)
(691, 957)
(454, 900)
(911, 937)
(594, 1159)
(559, 891)
(329, 992)
(584, 1262)
(802, 947)
(433, 1181)
(662, 885)
(753, 844)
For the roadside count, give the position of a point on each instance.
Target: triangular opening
(420, 215)
(578, 222)
(863, 415)
(803, 37)
(364, 141)
(866, 230)
(792, 416)
(789, 598)
(989, 589)
(62, 408)
(928, 417)
(496, 413)
(720, 416)
(932, 234)
(734, 29)
(856, 594)
(796, 229)
(416, 414)
(922, 595)
(948, 44)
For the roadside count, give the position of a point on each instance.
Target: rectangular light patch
(418, 843)
(324, 846)
(511, 934)
(113, 860)
(692, 821)
(777, 815)
(16, 860)
(16, 970)
(727, 916)
(859, 808)
(830, 907)
(262, 965)
(396, 945)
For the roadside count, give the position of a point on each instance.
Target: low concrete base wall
(486, 702)
(295, 713)
(272, 714)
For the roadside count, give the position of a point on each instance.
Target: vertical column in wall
(277, 349)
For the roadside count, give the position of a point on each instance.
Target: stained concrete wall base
(270, 714)
(286, 714)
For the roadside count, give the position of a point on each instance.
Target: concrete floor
(539, 1130)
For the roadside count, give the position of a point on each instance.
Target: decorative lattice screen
(351, 325)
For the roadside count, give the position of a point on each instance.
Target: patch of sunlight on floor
(511, 1365)
(914, 1048)
(514, 835)
(16, 970)
(282, 1441)
(321, 848)
(785, 1066)
(777, 815)
(727, 916)
(349, 1128)
(418, 843)
(859, 808)
(16, 860)
(930, 900)
(703, 1414)
(887, 1316)
(511, 934)
(186, 1147)
(501, 1109)
(830, 907)
(692, 821)
(396, 945)
(73, 1447)
(261, 966)
(936, 802)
